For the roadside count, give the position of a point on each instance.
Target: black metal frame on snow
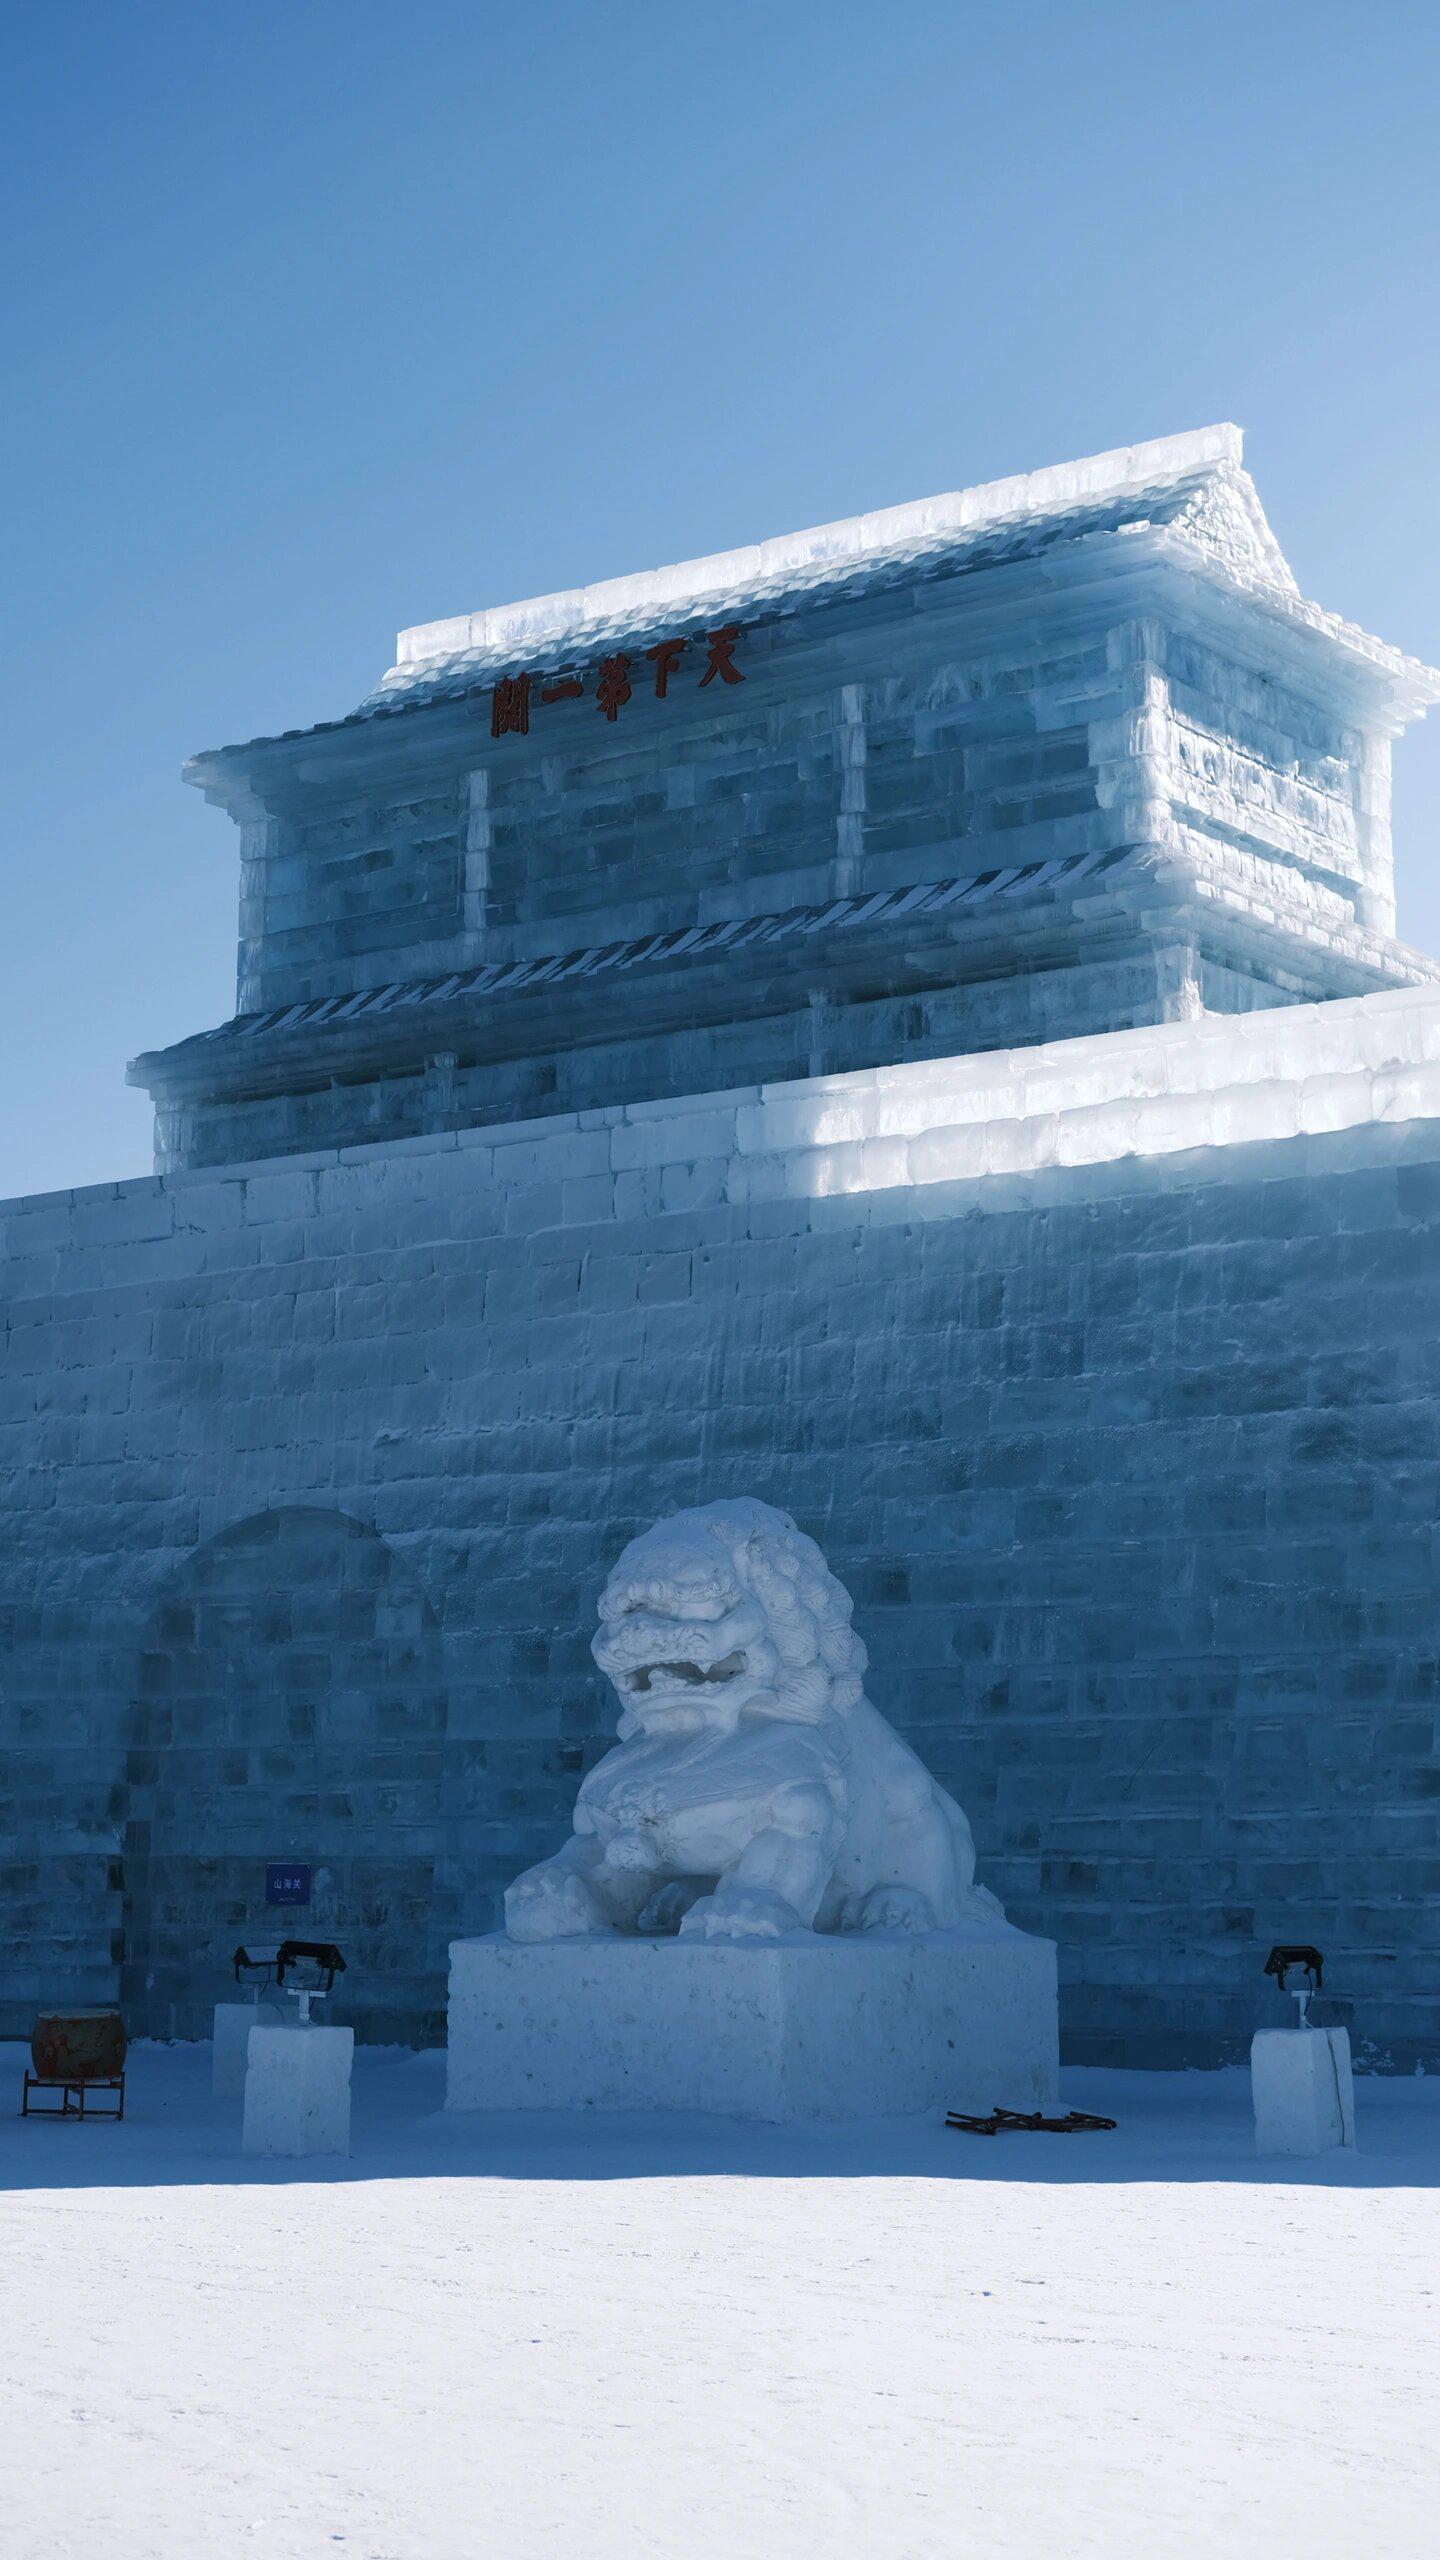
(1007, 2120)
(81, 2089)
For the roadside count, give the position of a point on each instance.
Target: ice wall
(1105, 1373)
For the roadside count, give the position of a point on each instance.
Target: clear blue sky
(326, 318)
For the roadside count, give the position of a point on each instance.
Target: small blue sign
(287, 1883)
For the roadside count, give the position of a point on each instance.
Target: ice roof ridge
(1059, 486)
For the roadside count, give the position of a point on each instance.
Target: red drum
(79, 2044)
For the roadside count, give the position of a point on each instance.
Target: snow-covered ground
(642, 2340)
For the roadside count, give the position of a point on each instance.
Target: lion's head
(724, 1611)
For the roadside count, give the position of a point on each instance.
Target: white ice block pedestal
(297, 2092)
(230, 2050)
(878, 2024)
(1303, 2091)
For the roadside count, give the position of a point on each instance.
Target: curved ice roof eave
(1191, 487)
(1058, 489)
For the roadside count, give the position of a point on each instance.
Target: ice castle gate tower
(903, 1020)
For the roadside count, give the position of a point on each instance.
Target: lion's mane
(819, 1660)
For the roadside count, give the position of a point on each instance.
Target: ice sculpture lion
(753, 1790)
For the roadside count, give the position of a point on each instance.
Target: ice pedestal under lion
(877, 2024)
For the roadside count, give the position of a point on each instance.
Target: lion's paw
(544, 1904)
(888, 1906)
(742, 1914)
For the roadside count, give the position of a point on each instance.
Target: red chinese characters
(721, 661)
(510, 698)
(510, 706)
(612, 685)
(665, 655)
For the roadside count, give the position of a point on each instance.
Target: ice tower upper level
(1066, 752)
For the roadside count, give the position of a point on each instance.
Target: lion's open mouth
(685, 1675)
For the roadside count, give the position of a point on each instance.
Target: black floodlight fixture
(305, 1969)
(1300, 1971)
(255, 1968)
